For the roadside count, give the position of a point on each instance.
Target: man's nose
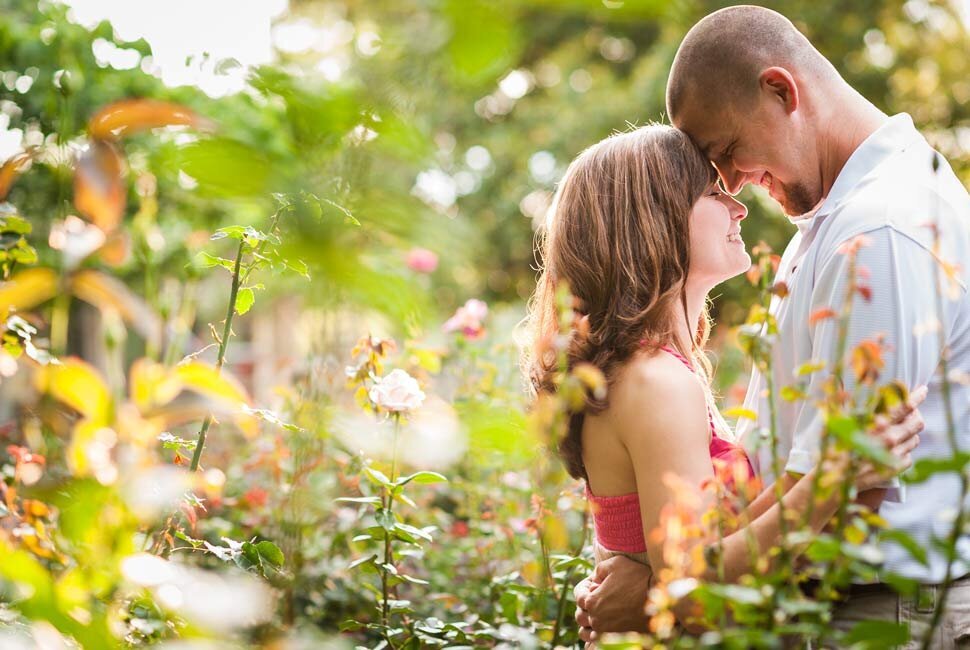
(734, 180)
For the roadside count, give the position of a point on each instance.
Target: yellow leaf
(205, 379)
(554, 533)
(740, 412)
(78, 385)
(855, 535)
(108, 293)
(152, 384)
(532, 573)
(85, 432)
(27, 289)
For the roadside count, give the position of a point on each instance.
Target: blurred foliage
(444, 133)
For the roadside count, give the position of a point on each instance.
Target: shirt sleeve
(901, 308)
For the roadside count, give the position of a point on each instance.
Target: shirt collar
(896, 134)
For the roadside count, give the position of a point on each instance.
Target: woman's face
(717, 251)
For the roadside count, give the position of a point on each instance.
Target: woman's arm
(898, 431)
(675, 440)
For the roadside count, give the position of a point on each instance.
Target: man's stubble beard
(799, 200)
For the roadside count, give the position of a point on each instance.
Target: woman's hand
(900, 434)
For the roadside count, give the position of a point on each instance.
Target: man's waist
(923, 590)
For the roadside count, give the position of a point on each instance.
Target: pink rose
(468, 319)
(422, 260)
(397, 392)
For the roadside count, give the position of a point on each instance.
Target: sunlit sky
(178, 29)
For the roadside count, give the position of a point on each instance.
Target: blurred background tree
(415, 146)
(479, 107)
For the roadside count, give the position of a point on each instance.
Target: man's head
(742, 85)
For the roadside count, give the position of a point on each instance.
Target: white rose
(397, 392)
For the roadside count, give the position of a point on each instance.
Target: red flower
(256, 497)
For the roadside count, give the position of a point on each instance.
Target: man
(768, 109)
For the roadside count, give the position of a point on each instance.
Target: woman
(640, 233)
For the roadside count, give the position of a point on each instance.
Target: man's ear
(781, 86)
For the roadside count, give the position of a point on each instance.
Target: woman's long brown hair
(617, 234)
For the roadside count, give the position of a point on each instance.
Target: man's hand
(613, 598)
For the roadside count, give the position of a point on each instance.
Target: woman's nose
(738, 210)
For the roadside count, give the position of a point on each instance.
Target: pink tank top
(616, 519)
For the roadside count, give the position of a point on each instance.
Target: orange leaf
(754, 274)
(821, 314)
(99, 189)
(10, 169)
(133, 115)
(117, 250)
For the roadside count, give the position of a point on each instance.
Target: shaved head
(719, 61)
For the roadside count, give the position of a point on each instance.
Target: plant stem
(561, 606)
(387, 501)
(954, 536)
(223, 343)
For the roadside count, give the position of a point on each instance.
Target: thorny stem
(227, 329)
(842, 342)
(221, 359)
(954, 536)
(387, 501)
(567, 579)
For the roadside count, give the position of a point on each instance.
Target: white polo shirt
(889, 192)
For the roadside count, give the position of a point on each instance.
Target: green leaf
(573, 562)
(924, 468)
(271, 553)
(14, 224)
(737, 593)
(350, 625)
(377, 477)
(175, 443)
(412, 580)
(221, 552)
(484, 41)
(244, 300)
(878, 634)
(915, 550)
(362, 560)
(196, 543)
(298, 266)
(251, 555)
(411, 530)
(385, 518)
(207, 261)
(823, 549)
(227, 168)
(269, 416)
(422, 477)
(371, 501)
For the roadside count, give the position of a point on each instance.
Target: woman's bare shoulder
(657, 385)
